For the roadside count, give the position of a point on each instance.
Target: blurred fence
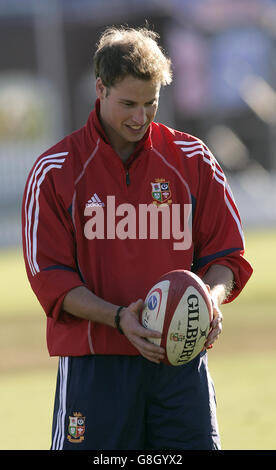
(15, 163)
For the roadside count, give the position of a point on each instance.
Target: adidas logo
(94, 201)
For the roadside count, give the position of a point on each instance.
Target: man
(91, 265)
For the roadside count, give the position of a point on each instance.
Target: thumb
(137, 306)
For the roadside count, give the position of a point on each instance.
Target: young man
(91, 265)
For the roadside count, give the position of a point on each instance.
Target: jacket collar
(96, 131)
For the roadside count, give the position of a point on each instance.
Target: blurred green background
(242, 362)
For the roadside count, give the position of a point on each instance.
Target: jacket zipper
(127, 178)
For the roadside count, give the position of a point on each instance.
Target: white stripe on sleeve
(32, 203)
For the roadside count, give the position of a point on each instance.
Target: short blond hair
(123, 51)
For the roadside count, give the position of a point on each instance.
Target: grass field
(242, 362)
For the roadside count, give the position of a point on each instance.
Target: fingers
(216, 327)
(136, 306)
(212, 337)
(140, 338)
(138, 335)
(133, 324)
(150, 351)
(140, 330)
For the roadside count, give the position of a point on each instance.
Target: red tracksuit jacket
(80, 186)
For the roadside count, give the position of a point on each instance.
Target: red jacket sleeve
(217, 228)
(47, 236)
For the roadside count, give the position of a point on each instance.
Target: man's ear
(101, 90)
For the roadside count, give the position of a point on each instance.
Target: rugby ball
(179, 306)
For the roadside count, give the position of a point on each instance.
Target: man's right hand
(137, 334)
(83, 303)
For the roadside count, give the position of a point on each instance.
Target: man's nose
(139, 116)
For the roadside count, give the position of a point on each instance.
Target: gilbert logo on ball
(179, 306)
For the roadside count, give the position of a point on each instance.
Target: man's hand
(137, 334)
(219, 280)
(216, 323)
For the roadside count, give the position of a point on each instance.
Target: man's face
(127, 109)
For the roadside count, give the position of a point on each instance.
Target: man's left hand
(216, 323)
